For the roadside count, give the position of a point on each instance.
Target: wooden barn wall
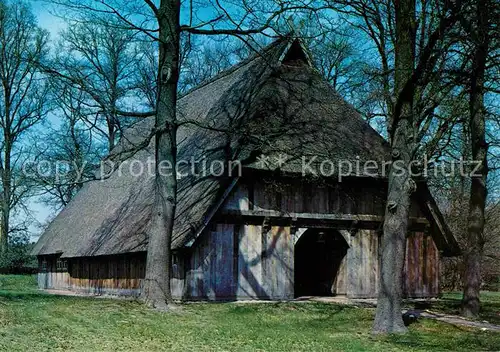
(260, 264)
(421, 273)
(248, 262)
(421, 266)
(120, 275)
(110, 275)
(113, 275)
(294, 195)
(242, 262)
(254, 262)
(50, 276)
(240, 259)
(362, 262)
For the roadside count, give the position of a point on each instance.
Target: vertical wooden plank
(211, 247)
(94, 272)
(341, 279)
(49, 273)
(353, 262)
(321, 200)
(266, 241)
(196, 279)
(188, 280)
(112, 273)
(372, 239)
(250, 262)
(425, 265)
(236, 255)
(421, 266)
(362, 265)
(224, 263)
(42, 280)
(417, 266)
(276, 269)
(207, 252)
(334, 199)
(407, 266)
(243, 288)
(287, 247)
(134, 272)
(367, 200)
(434, 274)
(175, 281)
(297, 191)
(289, 199)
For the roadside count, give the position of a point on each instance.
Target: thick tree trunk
(479, 147)
(4, 226)
(388, 317)
(156, 288)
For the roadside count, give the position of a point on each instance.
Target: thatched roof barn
(262, 210)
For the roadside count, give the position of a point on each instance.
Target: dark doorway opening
(318, 256)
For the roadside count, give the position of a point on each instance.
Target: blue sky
(45, 19)
(53, 24)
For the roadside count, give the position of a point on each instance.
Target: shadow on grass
(490, 306)
(280, 307)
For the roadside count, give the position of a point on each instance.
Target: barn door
(318, 259)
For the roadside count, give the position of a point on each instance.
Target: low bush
(18, 259)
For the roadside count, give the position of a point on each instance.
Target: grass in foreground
(33, 321)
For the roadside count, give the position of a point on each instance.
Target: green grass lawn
(33, 321)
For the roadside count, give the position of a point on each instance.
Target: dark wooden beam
(340, 221)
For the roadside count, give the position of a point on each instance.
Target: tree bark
(6, 173)
(6, 196)
(479, 147)
(388, 318)
(156, 287)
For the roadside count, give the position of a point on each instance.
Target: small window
(43, 265)
(175, 266)
(61, 264)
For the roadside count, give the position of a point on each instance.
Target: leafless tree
(23, 102)
(203, 58)
(102, 62)
(410, 50)
(337, 54)
(480, 34)
(388, 316)
(71, 149)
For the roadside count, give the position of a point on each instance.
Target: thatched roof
(273, 103)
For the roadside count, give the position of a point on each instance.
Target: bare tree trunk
(5, 221)
(388, 317)
(479, 147)
(23, 43)
(156, 289)
(6, 174)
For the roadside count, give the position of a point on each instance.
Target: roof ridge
(235, 67)
(220, 75)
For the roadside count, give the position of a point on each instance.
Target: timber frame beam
(312, 220)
